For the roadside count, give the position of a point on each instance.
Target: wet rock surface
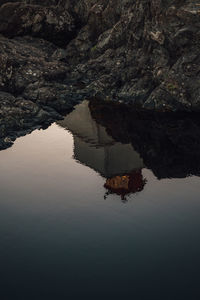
(55, 53)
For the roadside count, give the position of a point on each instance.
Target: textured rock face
(144, 52)
(32, 91)
(50, 23)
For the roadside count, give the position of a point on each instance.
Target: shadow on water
(59, 240)
(118, 142)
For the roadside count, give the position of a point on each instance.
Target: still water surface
(82, 217)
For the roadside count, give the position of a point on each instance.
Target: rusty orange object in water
(125, 184)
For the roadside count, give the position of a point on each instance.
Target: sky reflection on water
(61, 238)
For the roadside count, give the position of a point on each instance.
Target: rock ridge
(55, 53)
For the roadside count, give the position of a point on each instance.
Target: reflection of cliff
(108, 160)
(168, 143)
(82, 125)
(95, 148)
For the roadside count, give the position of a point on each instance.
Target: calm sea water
(81, 217)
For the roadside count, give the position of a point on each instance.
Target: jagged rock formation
(56, 52)
(146, 52)
(31, 88)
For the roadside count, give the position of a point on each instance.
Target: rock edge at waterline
(55, 53)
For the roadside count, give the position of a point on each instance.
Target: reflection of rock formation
(95, 148)
(108, 160)
(82, 125)
(168, 143)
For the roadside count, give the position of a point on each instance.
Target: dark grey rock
(55, 53)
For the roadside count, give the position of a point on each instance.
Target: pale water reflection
(95, 148)
(119, 163)
(60, 239)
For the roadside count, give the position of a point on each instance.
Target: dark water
(83, 214)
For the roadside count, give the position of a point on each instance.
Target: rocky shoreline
(56, 53)
(32, 91)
